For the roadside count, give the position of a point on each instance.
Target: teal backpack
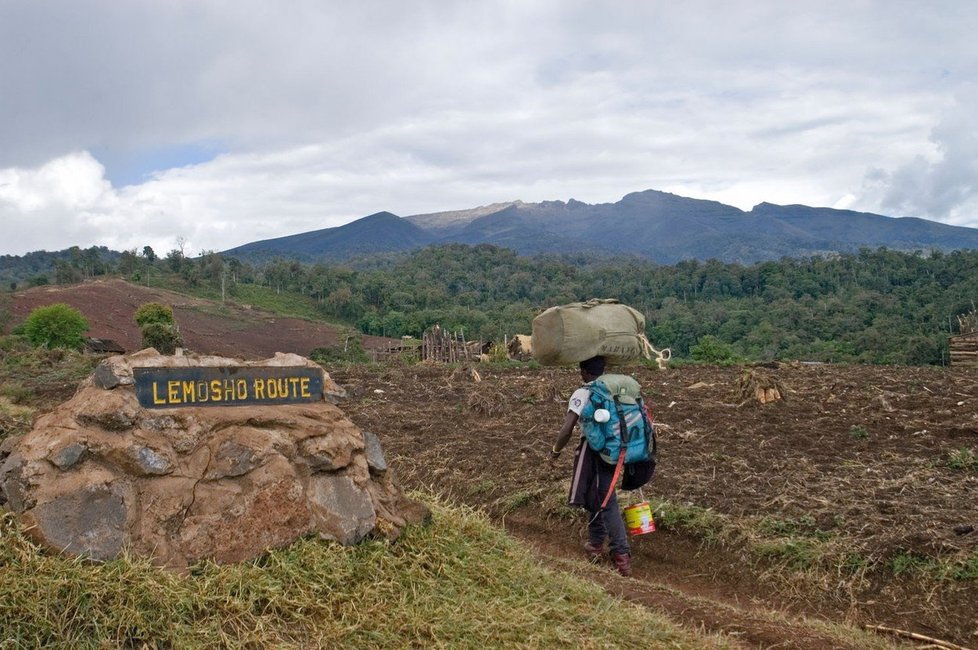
(629, 424)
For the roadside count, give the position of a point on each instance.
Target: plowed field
(840, 501)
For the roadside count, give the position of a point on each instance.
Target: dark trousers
(589, 486)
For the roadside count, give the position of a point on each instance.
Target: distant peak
(378, 216)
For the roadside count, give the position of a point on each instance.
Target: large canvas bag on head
(571, 333)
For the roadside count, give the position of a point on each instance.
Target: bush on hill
(56, 326)
(154, 312)
(159, 328)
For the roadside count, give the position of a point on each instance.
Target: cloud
(50, 203)
(260, 121)
(943, 186)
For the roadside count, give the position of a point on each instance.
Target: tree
(56, 326)
(129, 263)
(175, 260)
(65, 273)
(149, 254)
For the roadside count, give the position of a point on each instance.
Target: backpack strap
(647, 415)
(621, 453)
(622, 428)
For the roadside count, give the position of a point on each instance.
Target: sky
(207, 124)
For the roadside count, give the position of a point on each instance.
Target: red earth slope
(206, 326)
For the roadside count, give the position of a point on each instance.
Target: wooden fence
(438, 344)
(408, 350)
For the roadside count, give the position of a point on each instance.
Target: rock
(375, 453)
(109, 411)
(68, 456)
(14, 489)
(90, 523)
(331, 452)
(7, 445)
(345, 511)
(145, 461)
(101, 473)
(104, 378)
(233, 459)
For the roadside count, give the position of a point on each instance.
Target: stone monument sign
(181, 458)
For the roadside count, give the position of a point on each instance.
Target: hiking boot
(593, 552)
(623, 563)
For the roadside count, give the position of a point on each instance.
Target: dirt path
(663, 582)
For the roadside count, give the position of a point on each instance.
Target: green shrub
(154, 312)
(165, 337)
(350, 351)
(56, 326)
(710, 349)
(159, 328)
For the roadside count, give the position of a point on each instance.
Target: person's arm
(565, 433)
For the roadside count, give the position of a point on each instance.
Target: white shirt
(578, 400)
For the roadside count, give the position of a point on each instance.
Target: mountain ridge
(659, 226)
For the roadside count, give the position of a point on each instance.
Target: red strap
(614, 479)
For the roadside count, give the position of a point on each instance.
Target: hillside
(779, 525)
(382, 232)
(207, 327)
(657, 226)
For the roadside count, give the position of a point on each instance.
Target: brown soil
(225, 329)
(855, 457)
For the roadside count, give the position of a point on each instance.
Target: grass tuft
(963, 459)
(458, 583)
(702, 523)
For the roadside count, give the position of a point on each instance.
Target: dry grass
(459, 583)
(485, 402)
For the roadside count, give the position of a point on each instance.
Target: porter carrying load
(572, 333)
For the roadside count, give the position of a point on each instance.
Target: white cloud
(327, 112)
(945, 186)
(71, 182)
(47, 207)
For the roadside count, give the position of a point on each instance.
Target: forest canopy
(873, 306)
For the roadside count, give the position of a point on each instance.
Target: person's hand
(554, 457)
